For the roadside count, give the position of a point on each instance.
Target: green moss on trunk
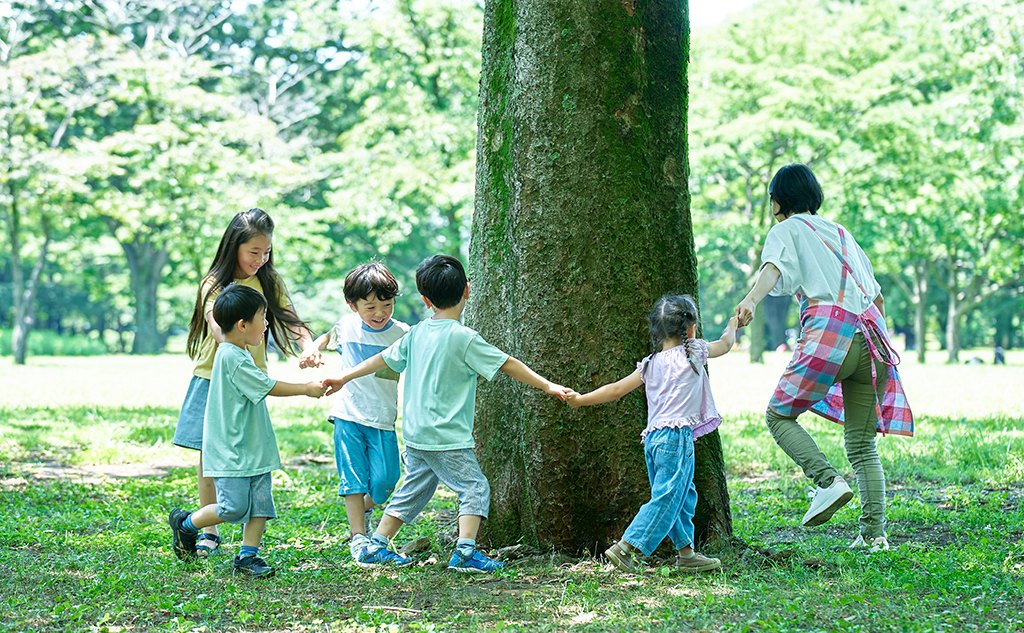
(581, 223)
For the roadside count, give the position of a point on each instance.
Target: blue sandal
(207, 544)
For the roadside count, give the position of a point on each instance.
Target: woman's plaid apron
(826, 333)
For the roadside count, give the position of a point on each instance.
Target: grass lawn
(88, 475)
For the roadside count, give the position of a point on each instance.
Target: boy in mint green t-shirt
(441, 359)
(239, 446)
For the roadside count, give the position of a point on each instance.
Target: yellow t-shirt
(204, 362)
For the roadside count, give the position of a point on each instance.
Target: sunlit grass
(89, 552)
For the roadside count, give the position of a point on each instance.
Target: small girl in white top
(680, 409)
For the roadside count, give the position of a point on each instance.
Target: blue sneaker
(476, 563)
(382, 557)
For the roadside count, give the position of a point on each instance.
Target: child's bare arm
(320, 343)
(725, 343)
(369, 366)
(518, 370)
(313, 389)
(607, 393)
(310, 355)
(214, 327)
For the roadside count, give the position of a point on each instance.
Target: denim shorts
(367, 460)
(241, 498)
(189, 432)
(456, 469)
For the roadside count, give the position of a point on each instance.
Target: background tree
(581, 223)
(944, 197)
(914, 133)
(44, 86)
(752, 113)
(401, 181)
(168, 170)
(365, 115)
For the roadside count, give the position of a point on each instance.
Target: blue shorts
(189, 432)
(367, 460)
(242, 498)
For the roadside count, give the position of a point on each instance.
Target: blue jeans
(669, 454)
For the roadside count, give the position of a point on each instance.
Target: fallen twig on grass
(384, 607)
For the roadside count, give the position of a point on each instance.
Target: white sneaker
(827, 501)
(368, 521)
(877, 544)
(357, 545)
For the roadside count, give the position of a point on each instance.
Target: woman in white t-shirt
(843, 367)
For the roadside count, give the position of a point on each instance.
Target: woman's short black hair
(796, 190)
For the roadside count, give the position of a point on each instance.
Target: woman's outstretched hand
(767, 277)
(745, 312)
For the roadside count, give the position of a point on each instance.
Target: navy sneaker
(253, 567)
(184, 544)
(382, 557)
(477, 563)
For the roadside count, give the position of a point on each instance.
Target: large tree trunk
(145, 265)
(581, 223)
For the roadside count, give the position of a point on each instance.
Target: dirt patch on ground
(49, 471)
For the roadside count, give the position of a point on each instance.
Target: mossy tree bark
(581, 222)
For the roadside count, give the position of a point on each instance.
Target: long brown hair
(244, 227)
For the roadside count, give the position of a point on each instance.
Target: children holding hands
(680, 408)
(239, 446)
(441, 359)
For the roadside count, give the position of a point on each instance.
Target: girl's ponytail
(672, 317)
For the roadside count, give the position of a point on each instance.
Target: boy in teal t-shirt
(441, 359)
(239, 446)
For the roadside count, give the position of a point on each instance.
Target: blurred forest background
(132, 131)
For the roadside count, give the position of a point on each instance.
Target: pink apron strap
(867, 326)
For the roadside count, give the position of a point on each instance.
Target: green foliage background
(135, 131)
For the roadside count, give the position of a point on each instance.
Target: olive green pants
(860, 426)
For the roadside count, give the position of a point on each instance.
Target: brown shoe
(697, 563)
(620, 558)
